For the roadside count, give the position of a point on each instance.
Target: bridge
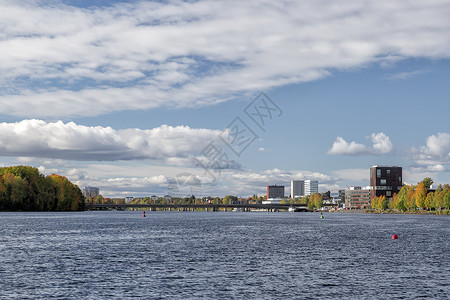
(207, 207)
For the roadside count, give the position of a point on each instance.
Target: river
(223, 255)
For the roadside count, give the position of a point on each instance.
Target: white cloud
(342, 147)
(69, 141)
(57, 59)
(119, 179)
(381, 145)
(435, 154)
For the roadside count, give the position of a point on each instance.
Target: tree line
(416, 197)
(313, 201)
(24, 188)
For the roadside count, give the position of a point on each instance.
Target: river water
(182, 255)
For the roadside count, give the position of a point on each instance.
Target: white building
(311, 187)
(297, 188)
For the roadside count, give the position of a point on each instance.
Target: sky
(218, 98)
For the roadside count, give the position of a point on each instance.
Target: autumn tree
(420, 194)
(410, 199)
(25, 188)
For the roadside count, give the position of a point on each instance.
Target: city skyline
(140, 98)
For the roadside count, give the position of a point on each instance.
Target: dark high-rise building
(275, 191)
(385, 181)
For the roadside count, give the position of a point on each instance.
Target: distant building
(385, 181)
(167, 197)
(91, 192)
(311, 187)
(357, 197)
(338, 197)
(129, 199)
(154, 197)
(342, 194)
(297, 188)
(275, 191)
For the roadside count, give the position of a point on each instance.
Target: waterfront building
(342, 194)
(297, 188)
(91, 192)
(385, 181)
(129, 199)
(275, 191)
(311, 187)
(337, 197)
(357, 197)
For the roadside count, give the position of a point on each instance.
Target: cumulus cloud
(70, 141)
(342, 147)
(137, 179)
(435, 154)
(381, 145)
(59, 59)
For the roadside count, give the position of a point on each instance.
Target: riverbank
(445, 212)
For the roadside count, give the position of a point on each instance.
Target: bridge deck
(205, 206)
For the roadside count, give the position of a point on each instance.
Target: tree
(439, 199)
(429, 201)
(420, 194)
(447, 199)
(228, 199)
(374, 202)
(410, 200)
(427, 181)
(25, 188)
(379, 203)
(383, 203)
(401, 199)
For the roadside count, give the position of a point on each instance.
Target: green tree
(429, 201)
(228, 199)
(401, 198)
(447, 199)
(427, 181)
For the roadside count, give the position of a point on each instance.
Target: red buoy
(394, 237)
(144, 214)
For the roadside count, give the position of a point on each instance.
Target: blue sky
(127, 95)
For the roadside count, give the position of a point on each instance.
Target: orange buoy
(394, 237)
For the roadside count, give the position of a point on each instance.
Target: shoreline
(392, 212)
